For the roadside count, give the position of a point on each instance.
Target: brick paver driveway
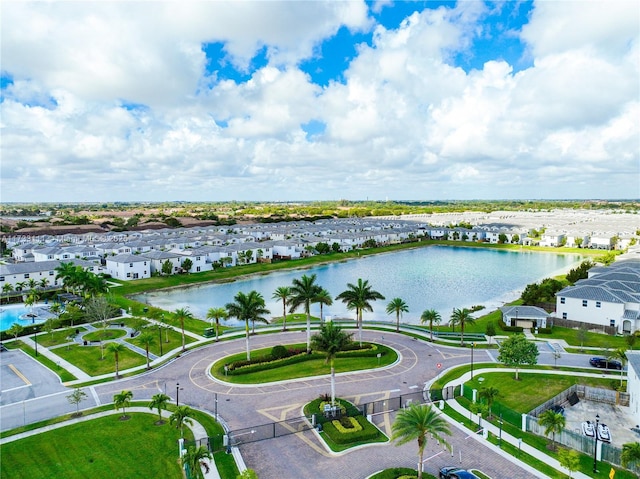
(302, 455)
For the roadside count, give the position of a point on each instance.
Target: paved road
(293, 456)
(250, 406)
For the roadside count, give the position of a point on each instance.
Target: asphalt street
(248, 407)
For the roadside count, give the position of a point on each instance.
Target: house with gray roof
(128, 266)
(16, 273)
(609, 297)
(633, 384)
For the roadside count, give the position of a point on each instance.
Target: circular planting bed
(104, 335)
(291, 361)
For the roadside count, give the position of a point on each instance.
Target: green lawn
(532, 389)
(57, 337)
(595, 340)
(104, 334)
(175, 340)
(88, 359)
(103, 448)
(312, 367)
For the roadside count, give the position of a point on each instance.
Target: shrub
(368, 432)
(279, 352)
(347, 425)
(544, 330)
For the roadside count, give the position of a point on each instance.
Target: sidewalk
(506, 436)
(77, 372)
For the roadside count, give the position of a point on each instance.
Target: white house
(633, 384)
(609, 297)
(526, 317)
(11, 275)
(129, 266)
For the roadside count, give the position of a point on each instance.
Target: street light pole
(160, 337)
(177, 394)
(472, 348)
(35, 339)
(595, 447)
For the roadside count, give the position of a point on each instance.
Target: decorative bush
(368, 432)
(544, 330)
(347, 425)
(279, 352)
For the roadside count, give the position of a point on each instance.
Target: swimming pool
(11, 314)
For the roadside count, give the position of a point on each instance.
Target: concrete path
(76, 371)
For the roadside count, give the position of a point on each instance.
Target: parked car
(557, 408)
(452, 472)
(605, 363)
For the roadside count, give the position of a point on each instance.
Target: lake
(435, 277)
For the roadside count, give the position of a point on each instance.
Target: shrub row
(511, 329)
(264, 363)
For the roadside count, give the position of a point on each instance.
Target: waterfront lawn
(594, 340)
(88, 359)
(315, 365)
(101, 448)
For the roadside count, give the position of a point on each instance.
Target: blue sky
(293, 100)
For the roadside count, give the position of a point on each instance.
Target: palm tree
(147, 338)
(553, 422)
(323, 298)
(247, 307)
(67, 272)
(217, 314)
(432, 317)
(159, 402)
(398, 306)
(630, 453)
(194, 459)
(116, 349)
(283, 293)
(358, 297)
(181, 315)
(416, 422)
(619, 354)
(304, 292)
(181, 416)
(122, 400)
(462, 317)
(331, 340)
(489, 394)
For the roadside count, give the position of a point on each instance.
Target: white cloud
(406, 122)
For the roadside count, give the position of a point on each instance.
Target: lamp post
(178, 388)
(473, 345)
(595, 446)
(35, 339)
(160, 337)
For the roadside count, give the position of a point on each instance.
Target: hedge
(368, 432)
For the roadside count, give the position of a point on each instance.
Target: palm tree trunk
(284, 316)
(360, 326)
(148, 357)
(461, 334)
(217, 326)
(420, 456)
(246, 328)
(308, 332)
(333, 384)
(397, 322)
(182, 326)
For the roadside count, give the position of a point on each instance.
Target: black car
(452, 472)
(605, 363)
(558, 409)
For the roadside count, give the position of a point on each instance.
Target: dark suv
(453, 472)
(605, 363)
